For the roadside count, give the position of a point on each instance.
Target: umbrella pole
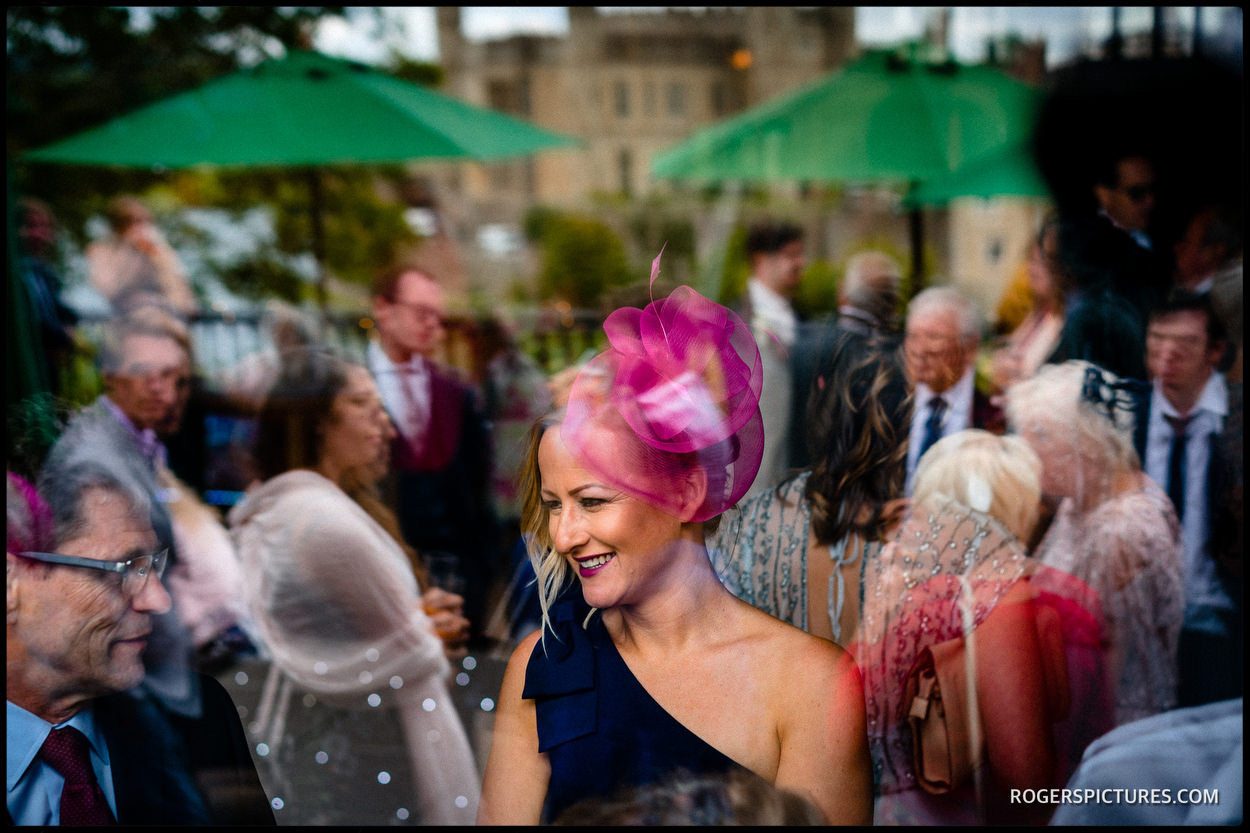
(916, 217)
(318, 236)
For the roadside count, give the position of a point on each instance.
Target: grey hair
(143, 321)
(863, 285)
(65, 488)
(1052, 397)
(949, 298)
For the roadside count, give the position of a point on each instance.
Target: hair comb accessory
(679, 386)
(1119, 400)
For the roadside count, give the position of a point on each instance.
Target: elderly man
(1188, 406)
(442, 451)
(85, 745)
(940, 345)
(868, 300)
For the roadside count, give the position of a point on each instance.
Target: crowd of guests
(869, 568)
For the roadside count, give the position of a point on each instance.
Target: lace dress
(761, 554)
(1128, 549)
(941, 576)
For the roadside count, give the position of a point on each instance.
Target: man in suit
(441, 454)
(867, 316)
(940, 342)
(86, 743)
(775, 253)
(1188, 406)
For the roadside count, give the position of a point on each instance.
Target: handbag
(948, 744)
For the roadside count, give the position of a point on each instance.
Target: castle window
(676, 99)
(622, 99)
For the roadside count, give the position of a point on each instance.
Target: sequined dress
(761, 554)
(1128, 549)
(600, 729)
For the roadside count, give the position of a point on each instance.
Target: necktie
(82, 801)
(1176, 463)
(414, 416)
(933, 425)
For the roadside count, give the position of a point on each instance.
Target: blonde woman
(667, 670)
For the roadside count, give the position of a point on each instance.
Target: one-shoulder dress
(601, 730)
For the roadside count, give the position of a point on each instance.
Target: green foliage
(817, 292)
(534, 225)
(737, 268)
(581, 258)
(652, 229)
(260, 278)
(417, 72)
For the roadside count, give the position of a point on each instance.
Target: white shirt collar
(1213, 399)
(958, 396)
(379, 362)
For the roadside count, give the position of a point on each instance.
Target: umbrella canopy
(1008, 171)
(885, 117)
(304, 109)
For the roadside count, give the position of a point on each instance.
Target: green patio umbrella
(303, 110)
(1009, 171)
(889, 117)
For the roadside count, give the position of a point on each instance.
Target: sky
(411, 30)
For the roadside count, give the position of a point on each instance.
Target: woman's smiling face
(616, 544)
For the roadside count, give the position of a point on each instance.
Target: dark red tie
(82, 801)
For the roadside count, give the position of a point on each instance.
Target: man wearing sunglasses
(85, 744)
(1126, 196)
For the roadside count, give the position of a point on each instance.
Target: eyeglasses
(134, 571)
(423, 311)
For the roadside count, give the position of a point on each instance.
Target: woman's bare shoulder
(792, 648)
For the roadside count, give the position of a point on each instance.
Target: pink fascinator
(678, 389)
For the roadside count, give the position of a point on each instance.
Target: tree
(71, 68)
(582, 257)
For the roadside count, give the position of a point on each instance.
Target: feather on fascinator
(678, 388)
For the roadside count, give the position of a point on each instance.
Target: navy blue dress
(601, 730)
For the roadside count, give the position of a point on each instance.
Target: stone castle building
(632, 83)
(629, 84)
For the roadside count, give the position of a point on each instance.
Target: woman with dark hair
(667, 671)
(356, 724)
(798, 551)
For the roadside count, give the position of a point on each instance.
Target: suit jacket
(986, 415)
(443, 488)
(171, 770)
(1223, 481)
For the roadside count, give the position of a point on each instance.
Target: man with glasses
(441, 455)
(145, 359)
(940, 342)
(85, 743)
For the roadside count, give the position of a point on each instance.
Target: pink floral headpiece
(679, 387)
